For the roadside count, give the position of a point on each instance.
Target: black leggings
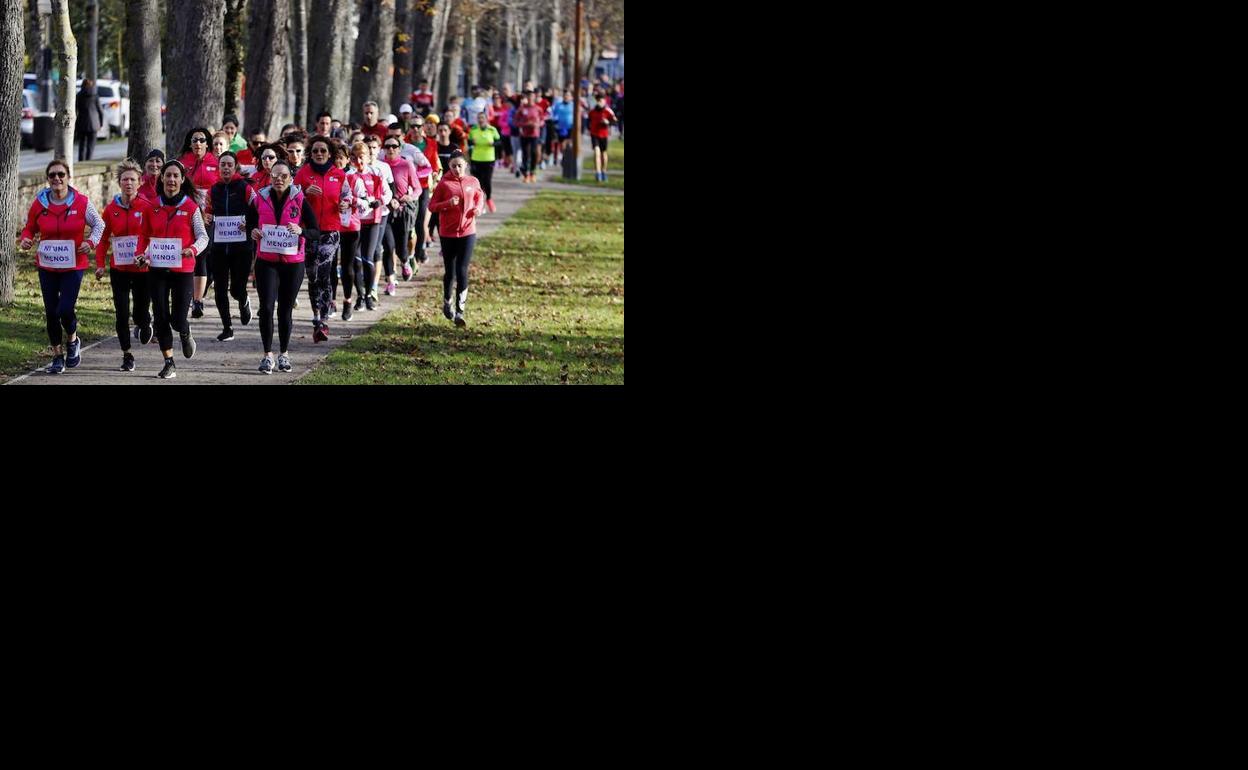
(400, 225)
(421, 207)
(528, 146)
(348, 254)
(231, 264)
(386, 246)
(277, 282)
(484, 172)
(126, 285)
(171, 301)
(456, 254)
(60, 297)
(370, 237)
(320, 271)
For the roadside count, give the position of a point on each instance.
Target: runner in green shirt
(482, 138)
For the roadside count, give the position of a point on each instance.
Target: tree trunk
(195, 72)
(330, 23)
(93, 40)
(432, 67)
(299, 60)
(474, 73)
(405, 16)
(143, 61)
(509, 30)
(235, 58)
(454, 60)
(66, 53)
(12, 49)
(532, 51)
(266, 64)
(374, 57)
(555, 70)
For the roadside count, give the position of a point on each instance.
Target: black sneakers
(283, 363)
(368, 302)
(74, 349)
(446, 309)
(359, 301)
(188, 345)
(197, 309)
(225, 336)
(346, 311)
(169, 372)
(127, 362)
(57, 366)
(144, 333)
(244, 311)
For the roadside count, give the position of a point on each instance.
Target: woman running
(232, 253)
(200, 165)
(502, 123)
(385, 245)
(355, 199)
(279, 258)
(269, 154)
(325, 186)
(483, 137)
(151, 177)
(220, 143)
(172, 236)
(58, 217)
(370, 235)
(123, 221)
(403, 206)
(230, 127)
(458, 200)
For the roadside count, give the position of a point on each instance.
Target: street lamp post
(573, 171)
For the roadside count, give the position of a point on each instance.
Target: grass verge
(23, 331)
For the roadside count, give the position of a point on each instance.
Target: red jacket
(325, 205)
(203, 172)
(147, 189)
(65, 221)
(600, 121)
(178, 221)
(380, 129)
(122, 222)
(529, 120)
(457, 221)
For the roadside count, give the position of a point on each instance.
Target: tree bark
(329, 38)
(509, 31)
(454, 59)
(12, 49)
(432, 67)
(555, 70)
(235, 58)
(299, 60)
(374, 57)
(405, 16)
(266, 64)
(66, 53)
(93, 40)
(143, 61)
(195, 69)
(474, 73)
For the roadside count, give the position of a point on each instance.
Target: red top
(325, 205)
(246, 157)
(65, 221)
(600, 121)
(404, 172)
(121, 221)
(147, 189)
(379, 129)
(165, 221)
(457, 221)
(529, 120)
(422, 97)
(203, 171)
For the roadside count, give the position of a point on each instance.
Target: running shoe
(283, 363)
(144, 333)
(74, 351)
(169, 371)
(333, 310)
(359, 303)
(244, 311)
(370, 303)
(188, 344)
(489, 204)
(346, 311)
(296, 302)
(459, 319)
(225, 336)
(57, 366)
(407, 272)
(446, 310)
(266, 366)
(127, 362)
(197, 309)
(321, 333)
(391, 288)
(423, 257)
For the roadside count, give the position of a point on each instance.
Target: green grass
(615, 155)
(614, 181)
(545, 306)
(23, 331)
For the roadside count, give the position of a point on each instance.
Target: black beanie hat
(155, 154)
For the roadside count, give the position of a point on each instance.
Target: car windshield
(106, 91)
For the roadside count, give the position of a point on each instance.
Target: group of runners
(340, 207)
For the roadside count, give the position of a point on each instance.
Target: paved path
(114, 149)
(235, 362)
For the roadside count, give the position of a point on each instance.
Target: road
(113, 149)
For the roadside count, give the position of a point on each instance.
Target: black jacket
(90, 115)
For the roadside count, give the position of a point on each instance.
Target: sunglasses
(57, 175)
(199, 140)
(297, 151)
(257, 142)
(392, 147)
(268, 157)
(319, 150)
(281, 177)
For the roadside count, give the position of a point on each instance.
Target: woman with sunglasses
(295, 149)
(355, 197)
(172, 236)
(403, 205)
(269, 154)
(201, 165)
(247, 155)
(232, 252)
(327, 189)
(384, 253)
(58, 217)
(279, 275)
(123, 221)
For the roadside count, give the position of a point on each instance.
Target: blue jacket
(563, 111)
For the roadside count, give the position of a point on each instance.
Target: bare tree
(12, 46)
(266, 64)
(374, 56)
(555, 73)
(405, 18)
(195, 68)
(143, 62)
(93, 39)
(454, 58)
(299, 59)
(235, 56)
(332, 45)
(65, 49)
(432, 66)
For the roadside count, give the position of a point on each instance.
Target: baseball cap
(405, 108)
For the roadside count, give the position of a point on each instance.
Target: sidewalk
(235, 362)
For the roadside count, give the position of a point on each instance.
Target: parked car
(28, 117)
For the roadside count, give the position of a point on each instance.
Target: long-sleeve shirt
(307, 217)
